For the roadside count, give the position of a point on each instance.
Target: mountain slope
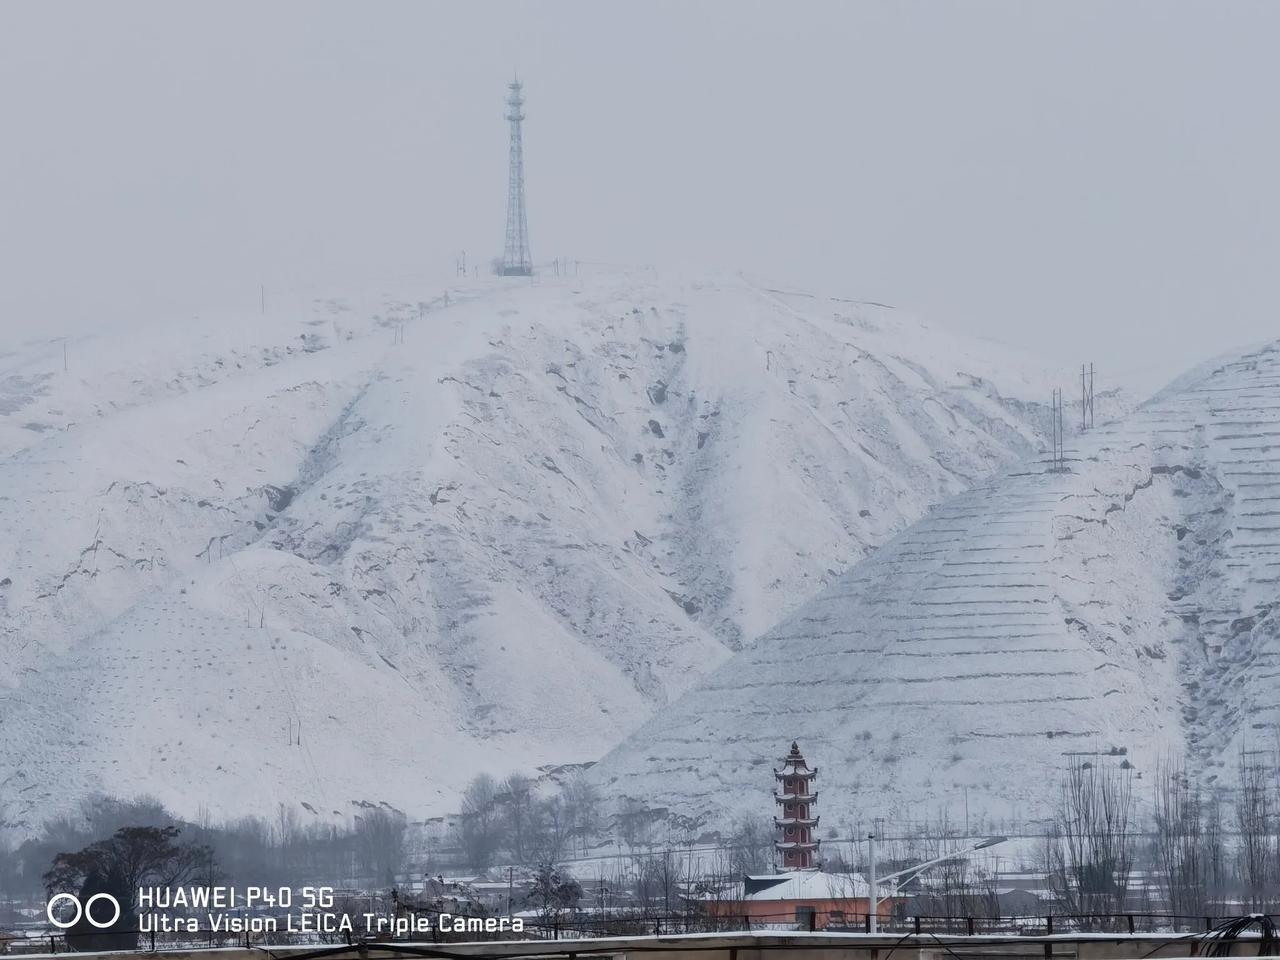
(483, 530)
(1123, 609)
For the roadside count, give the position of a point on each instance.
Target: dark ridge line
(1013, 546)
(1031, 733)
(998, 652)
(980, 636)
(979, 615)
(975, 703)
(970, 576)
(983, 563)
(999, 586)
(976, 603)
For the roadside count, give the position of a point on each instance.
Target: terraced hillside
(1126, 607)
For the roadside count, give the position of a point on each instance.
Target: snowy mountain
(1126, 608)
(359, 551)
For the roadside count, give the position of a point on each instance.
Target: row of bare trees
(282, 850)
(1201, 852)
(1116, 844)
(1088, 851)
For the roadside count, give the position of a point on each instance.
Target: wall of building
(848, 910)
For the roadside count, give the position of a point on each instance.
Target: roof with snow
(806, 885)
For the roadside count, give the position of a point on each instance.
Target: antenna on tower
(516, 261)
(1086, 398)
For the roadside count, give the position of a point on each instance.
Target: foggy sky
(1092, 181)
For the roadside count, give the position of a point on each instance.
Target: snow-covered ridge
(443, 534)
(1126, 608)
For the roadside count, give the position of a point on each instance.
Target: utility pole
(873, 925)
(263, 292)
(1059, 459)
(1086, 398)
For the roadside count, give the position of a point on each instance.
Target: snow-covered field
(1126, 609)
(360, 551)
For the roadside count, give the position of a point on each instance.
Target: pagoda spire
(794, 841)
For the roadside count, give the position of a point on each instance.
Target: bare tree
(549, 829)
(554, 891)
(517, 800)
(132, 858)
(751, 846)
(1216, 864)
(1256, 820)
(380, 843)
(657, 881)
(955, 887)
(717, 891)
(136, 857)
(1089, 851)
(480, 832)
(582, 809)
(287, 827)
(1178, 840)
(634, 824)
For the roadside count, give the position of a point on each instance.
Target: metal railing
(632, 923)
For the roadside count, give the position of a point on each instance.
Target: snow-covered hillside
(1126, 608)
(364, 550)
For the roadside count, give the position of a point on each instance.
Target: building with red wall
(804, 899)
(799, 894)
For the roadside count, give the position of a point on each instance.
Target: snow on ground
(358, 552)
(1120, 611)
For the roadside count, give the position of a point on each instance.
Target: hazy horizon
(1085, 181)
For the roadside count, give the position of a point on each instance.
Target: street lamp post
(874, 882)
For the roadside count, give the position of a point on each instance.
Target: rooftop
(806, 885)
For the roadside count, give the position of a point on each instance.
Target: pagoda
(797, 849)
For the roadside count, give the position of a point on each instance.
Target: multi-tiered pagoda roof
(797, 849)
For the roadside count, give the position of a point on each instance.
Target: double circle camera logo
(82, 910)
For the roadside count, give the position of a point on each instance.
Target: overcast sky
(1089, 180)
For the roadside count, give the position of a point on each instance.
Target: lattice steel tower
(516, 261)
